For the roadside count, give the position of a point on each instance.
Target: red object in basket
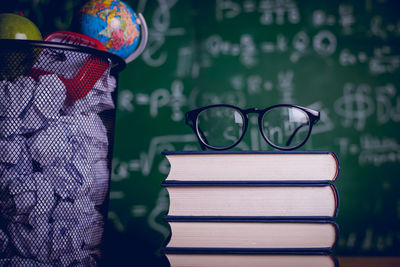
(91, 71)
(67, 37)
(80, 85)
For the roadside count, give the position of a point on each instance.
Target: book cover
(317, 166)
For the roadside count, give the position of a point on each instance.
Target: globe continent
(113, 23)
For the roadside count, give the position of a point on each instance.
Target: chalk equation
(286, 12)
(249, 51)
(369, 240)
(277, 12)
(382, 61)
(155, 54)
(144, 164)
(360, 102)
(257, 84)
(371, 150)
(173, 98)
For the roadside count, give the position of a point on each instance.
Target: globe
(113, 23)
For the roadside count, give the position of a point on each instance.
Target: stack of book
(252, 208)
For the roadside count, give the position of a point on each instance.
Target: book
(237, 199)
(251, 208)
(306, 166)
(184, 258)
(244, 235)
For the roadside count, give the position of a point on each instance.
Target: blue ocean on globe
(113, 23)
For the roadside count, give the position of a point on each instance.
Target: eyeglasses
(220, 127)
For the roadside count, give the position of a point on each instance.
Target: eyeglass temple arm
(316, 118)
(315, 114)
(294, 133)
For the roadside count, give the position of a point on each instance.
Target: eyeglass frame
(192, 120)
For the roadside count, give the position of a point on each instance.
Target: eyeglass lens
(285, 127)
(222, 127)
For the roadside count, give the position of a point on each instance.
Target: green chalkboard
(339, 57)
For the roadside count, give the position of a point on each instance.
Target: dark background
(342, 58)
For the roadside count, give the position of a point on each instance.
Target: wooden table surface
(369, 261)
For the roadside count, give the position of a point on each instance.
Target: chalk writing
(355, 106)
(117, 195)
(114, 218)
(320, 18)
(383, 61)
(378, 27)
(122, 169)
(346, 18)
(215, 45)
(286, 86)
(125, 100)
(358, 104)
(388, 104)
(370, 240)
(253, 84)
(248, 55)
(226, 9)
(371, 150)
(236, 98)
(324, 43)
(346, 58)
(155, 54)
(279, 12)
(378, 150)
(300, 43)
(350, 242)
(139, 210)
(186, 66)
(384, 29)
(159, 98)
(280, 45)
(325, 124)
(376, 241)
(158, 211)
(272, 12)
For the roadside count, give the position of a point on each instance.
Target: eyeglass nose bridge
(252, 110)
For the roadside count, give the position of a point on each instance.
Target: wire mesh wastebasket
(57, 113)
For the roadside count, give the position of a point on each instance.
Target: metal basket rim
(117, 62)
